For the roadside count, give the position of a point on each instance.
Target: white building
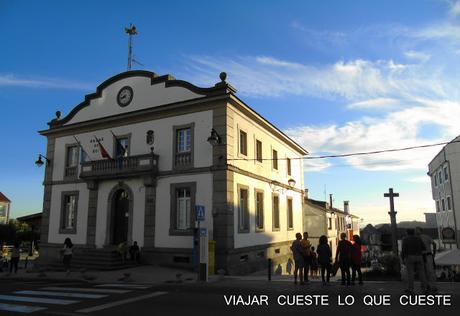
(444, 171)
(4, 209)
(174, 146)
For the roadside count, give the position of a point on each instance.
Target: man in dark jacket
(343, 256)
(412, 257)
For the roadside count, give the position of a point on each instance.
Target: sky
(337, 76)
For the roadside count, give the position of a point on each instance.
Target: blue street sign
(199, 212)
(203, 232)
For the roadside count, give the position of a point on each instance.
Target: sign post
(203, 244)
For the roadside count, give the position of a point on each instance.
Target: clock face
(125, 96)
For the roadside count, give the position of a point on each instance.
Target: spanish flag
(104, 152)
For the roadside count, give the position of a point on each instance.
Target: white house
(444, 171)
(132, 160)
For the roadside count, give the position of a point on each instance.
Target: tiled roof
(3, 198)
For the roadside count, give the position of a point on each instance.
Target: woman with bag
(324, 258)
(356, 257)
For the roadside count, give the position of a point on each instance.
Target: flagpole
(81, 147)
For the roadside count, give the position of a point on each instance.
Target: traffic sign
(199, 212)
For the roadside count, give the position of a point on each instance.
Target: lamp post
(40, 162)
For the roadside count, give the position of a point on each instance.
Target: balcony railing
(120, 167)
(183, 160)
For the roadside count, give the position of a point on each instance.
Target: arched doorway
(120, 216)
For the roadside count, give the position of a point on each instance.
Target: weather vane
(130, 31)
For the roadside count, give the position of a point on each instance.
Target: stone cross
(392, 213)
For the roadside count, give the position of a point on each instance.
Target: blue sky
(337, 76)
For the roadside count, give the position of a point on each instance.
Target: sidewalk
(145, 274)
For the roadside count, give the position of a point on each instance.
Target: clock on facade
(125, 96)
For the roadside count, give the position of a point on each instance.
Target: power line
(353, 154)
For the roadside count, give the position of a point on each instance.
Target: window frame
(274, 228)
(288, 166)
(115, 137)
(274, 159)
(66, 167)
(256, 213)
(173, 230)
(240, 143)
(449, 203)
(62, 220)
(443, 204)
(289, 214)
(446, 173)
(177, 128)
(257, 152)
(245, 229)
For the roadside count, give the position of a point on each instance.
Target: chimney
(346, 206)
(330, 200)
(306, 194)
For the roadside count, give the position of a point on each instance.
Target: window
(69, 209)
(449, 207)
(446, 174)
(435, 179)
(288, 162)
(443, 205)
(275, 159)
(290, 215)
(437, 206)
(440, 177)
(121, 146)
(243, 210)
(259, 151)
(276, 212)
(71, 163)
(259, 211)
(329, 223)
(183, 146)
(243, 143)
(182, 208)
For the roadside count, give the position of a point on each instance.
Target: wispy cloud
(454, 8)
(423, 179)
(10, 80)
(418, 56)
(379, 103)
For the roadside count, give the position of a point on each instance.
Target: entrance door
(120, 217)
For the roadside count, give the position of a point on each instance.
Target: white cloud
(454, 8)
(379, 103)
(418, 56)
(421, 179)
(9, 80)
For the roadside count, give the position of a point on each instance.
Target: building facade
(4, 209)
(320, 218)
(444, 171)
(131, 162)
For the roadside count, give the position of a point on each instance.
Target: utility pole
(392, 213)
(130, 31)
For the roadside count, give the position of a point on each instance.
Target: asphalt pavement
(231, 296)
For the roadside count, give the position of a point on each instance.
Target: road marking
(88, 290)
(125, 285)
(20, 308)
(113, 304)
(64, 294)
(36, 300)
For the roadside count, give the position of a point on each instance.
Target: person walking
(313, 263)
(412, 256)
(15, 255)
(343, 255)
(428, 258)
(297, 251)
(67, 252)
(306, 245)
(356, 257)
(324, 259)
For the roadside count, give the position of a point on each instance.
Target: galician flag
(104, 152)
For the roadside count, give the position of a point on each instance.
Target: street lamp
(39, 161)
(214, 139)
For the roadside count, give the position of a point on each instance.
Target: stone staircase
(97, 259)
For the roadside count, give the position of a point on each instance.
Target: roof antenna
(130, 31)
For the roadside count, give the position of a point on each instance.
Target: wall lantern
(214, 139)
(39, 161)
(278, 187)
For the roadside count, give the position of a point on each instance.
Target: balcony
(120, 168)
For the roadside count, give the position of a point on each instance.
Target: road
(79, 298)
